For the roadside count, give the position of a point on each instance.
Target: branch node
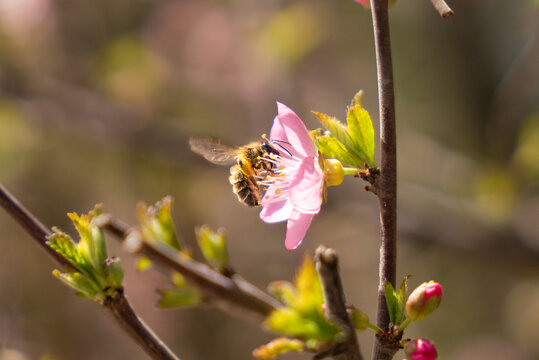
(327, 266)
(229, 293)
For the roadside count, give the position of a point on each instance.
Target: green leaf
(93, 247)
(359, 319)
(354, 143)
(391, 301)
(337, 129)
(308, 287)
(303, 316)
(79, 282)
(331, 148)
(362, 133)
(82, 222)
(310, 325)
(357, 100)
(156, 222)
(402, 296)
(114, 272)
(213, 246)
(164, 216)
(291, 322)
(95, 271)
(284, 291)
(176, 297)
(64, 245)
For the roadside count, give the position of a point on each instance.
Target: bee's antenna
(277, 142)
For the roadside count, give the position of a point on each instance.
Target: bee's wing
(213, 150)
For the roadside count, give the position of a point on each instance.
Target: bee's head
(269, 147)
(273, 146)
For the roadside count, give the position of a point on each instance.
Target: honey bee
(248, 162)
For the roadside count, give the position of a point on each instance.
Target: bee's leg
(246, 168)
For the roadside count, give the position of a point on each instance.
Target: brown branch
(33, 226)
(387, 186)
(118, 306)
(327, 266)
(443, 9)
(229, 293)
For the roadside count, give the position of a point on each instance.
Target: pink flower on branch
(295, 187)
(420, 349)
(423, 300)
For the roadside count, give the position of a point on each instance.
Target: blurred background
(98, 99)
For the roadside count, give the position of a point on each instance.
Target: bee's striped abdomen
(244, 187)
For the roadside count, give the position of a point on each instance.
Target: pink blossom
(424, 300)
(294, 188)
(362, 2)
(433, 289)
(420, 349)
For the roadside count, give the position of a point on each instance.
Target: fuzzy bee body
(248, 162)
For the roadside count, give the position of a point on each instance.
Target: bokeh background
(98, 99)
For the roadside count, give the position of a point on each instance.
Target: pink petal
(277, 130)
(278, 134)
(275, 212)
(288, 127)
(296, 228)
(305, 189)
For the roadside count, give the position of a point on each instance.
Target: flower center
(275, 182)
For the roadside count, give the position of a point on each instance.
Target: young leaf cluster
(396, 301)
(156, 224)
(213, 247)
(94, 274)
(301, 317)
(351, 143)
(157, 227)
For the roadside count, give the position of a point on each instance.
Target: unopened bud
(358, 317)
(420, 349)
(213, 246)
(423, 300)
(333, 172)
(114, 272)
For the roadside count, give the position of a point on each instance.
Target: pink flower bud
(420, 349)
(423, 300)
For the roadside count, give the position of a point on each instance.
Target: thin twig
(443, 9)
(117, 306)
(327, 266)
(121, 310)
(229, 293)
(33, 226)
(387, 187)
